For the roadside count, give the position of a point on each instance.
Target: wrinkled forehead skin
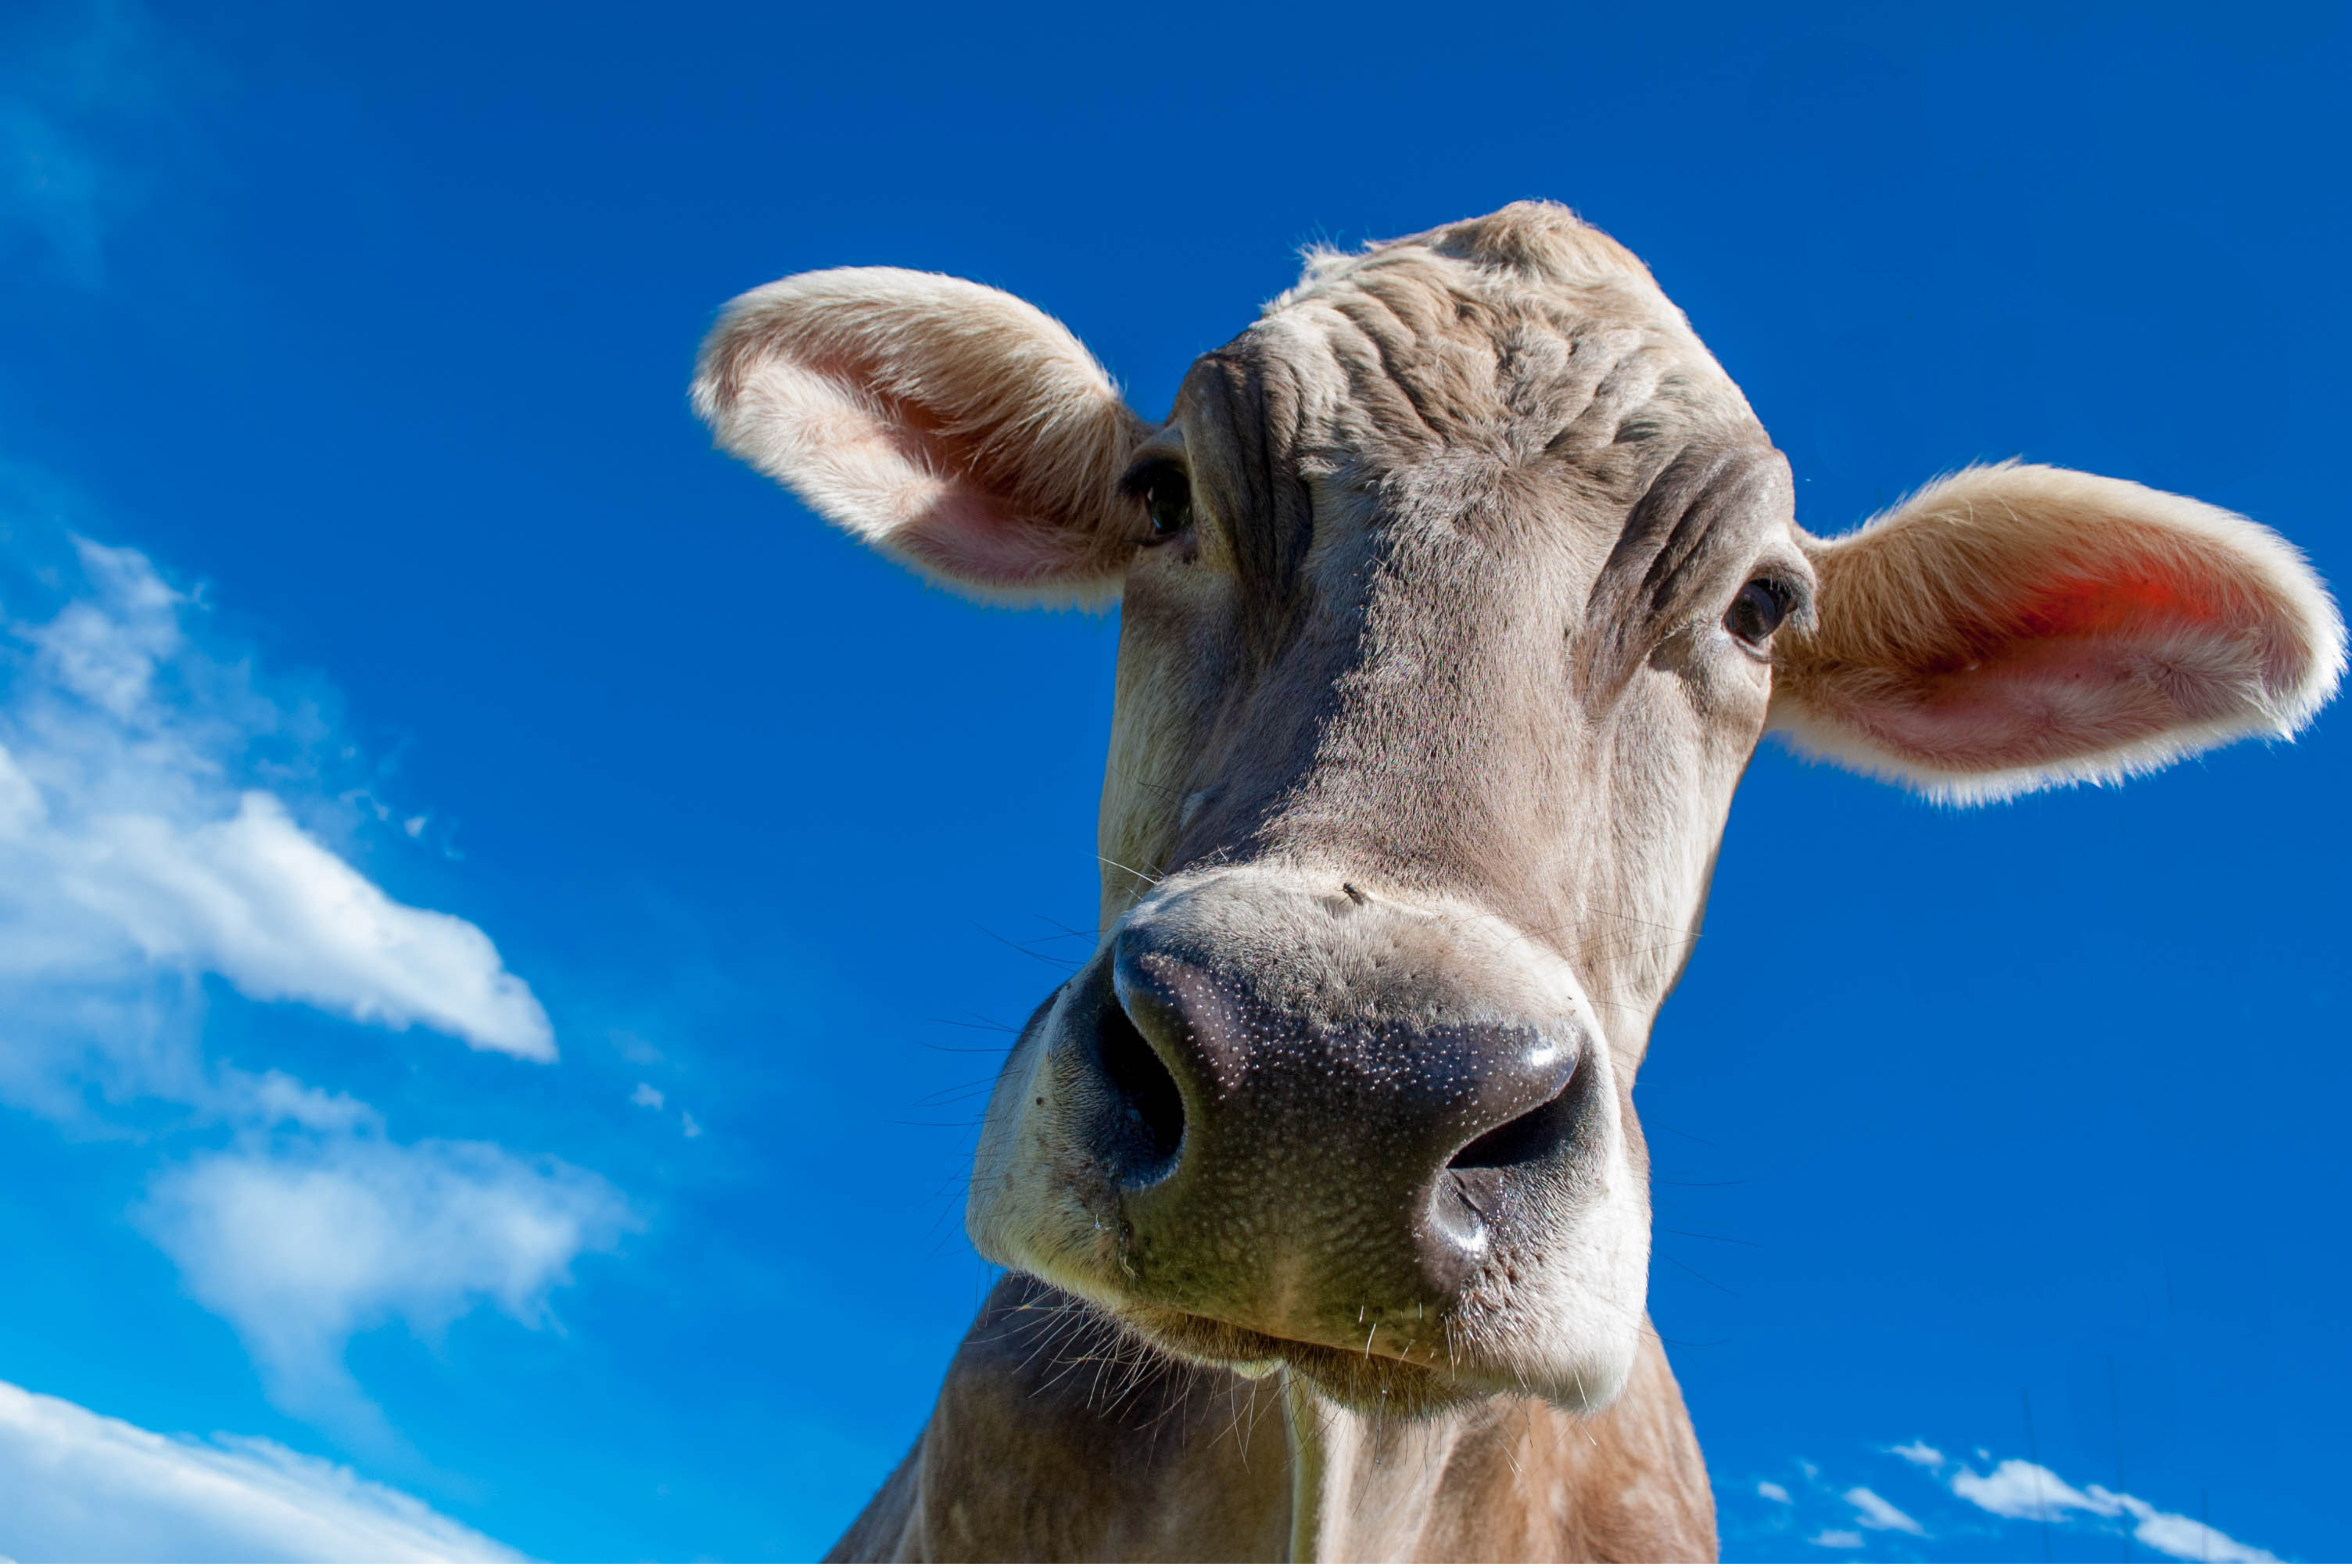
(1523, 341)
(1466, 507)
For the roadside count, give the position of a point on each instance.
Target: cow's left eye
(1758, 611)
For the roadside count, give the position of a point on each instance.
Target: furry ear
(2015, 627)
(953, 426)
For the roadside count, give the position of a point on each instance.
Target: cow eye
(1167, 500)
(1757, 612)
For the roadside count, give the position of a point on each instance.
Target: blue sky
(503, 918)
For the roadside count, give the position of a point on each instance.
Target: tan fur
(1923, 606)
(1426, 732)
(916, 409)
(1193, 1465)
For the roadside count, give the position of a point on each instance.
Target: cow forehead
(1516, 376)
(1517, 336)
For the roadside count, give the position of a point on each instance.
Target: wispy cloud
(1814, 1509)
(652, 1099)
(151, 789)
(2019, 1489)
(80, 1487)
(125, 848)
(1872, 1511)
(304, 1243)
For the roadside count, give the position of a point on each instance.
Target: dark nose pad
(1215, 1087)
(1141, 1128)
(1474, 1188)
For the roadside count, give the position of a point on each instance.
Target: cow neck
(1361, 1487)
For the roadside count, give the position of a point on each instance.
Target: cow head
(1456, 593)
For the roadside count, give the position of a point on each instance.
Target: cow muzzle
(1280, 1117)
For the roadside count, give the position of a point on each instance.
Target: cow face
(1456, 593)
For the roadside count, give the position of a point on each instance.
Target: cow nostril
(1524, 1140)
(1148, 1119)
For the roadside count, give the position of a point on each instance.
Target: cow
(1454, 595)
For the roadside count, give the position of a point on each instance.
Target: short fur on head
(1456, 592)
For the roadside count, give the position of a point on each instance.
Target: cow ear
(952, 425)
(2014, 627)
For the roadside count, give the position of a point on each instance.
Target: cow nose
(1318, 1127)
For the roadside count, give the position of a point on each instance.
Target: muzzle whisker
(1144, 876)
(1071, 966)
(1660, 1252)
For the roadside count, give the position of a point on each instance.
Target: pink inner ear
(2091, 608)
(2037, 702)
(962, 535)
(917, 471)
(2088, 667)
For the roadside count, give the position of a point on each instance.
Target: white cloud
(2019, 1489)
(258, 901)
(653, 1099)
(137, 858)
(304, 1245)
(2177, 1535)
(1875, 1512)
(124, 848)
(77, 1486)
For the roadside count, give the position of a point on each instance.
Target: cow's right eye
(1758, 611)
(1167, 500)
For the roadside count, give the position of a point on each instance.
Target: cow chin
(1568, 1340)
(1556, 1313)
(1582, 1374)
